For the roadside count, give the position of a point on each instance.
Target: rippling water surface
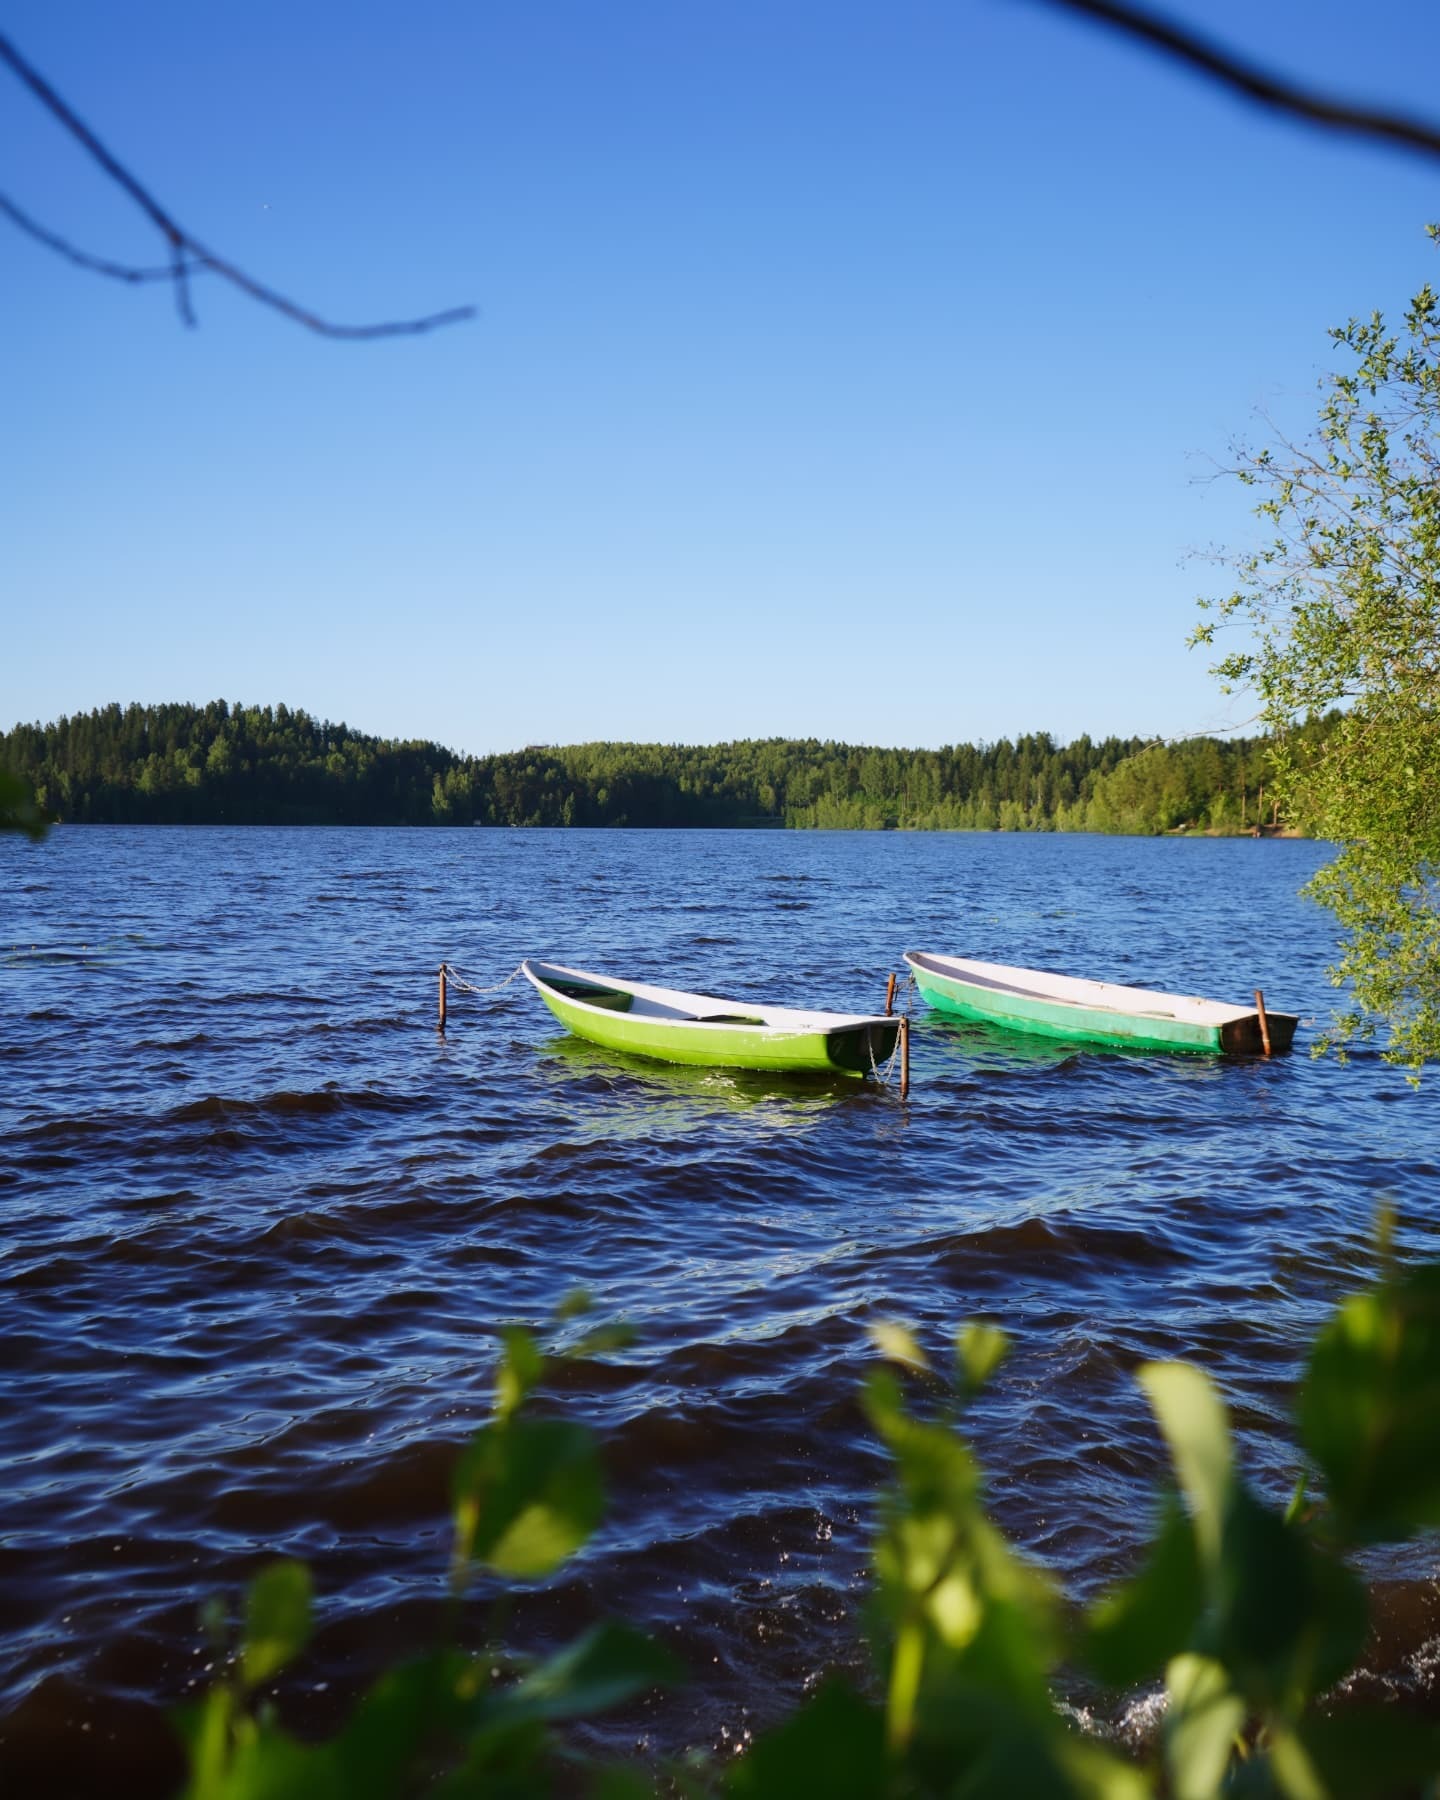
(260, 1225)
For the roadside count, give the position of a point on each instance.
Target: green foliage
(835, 1745)
(18, 808)
(261, 765)
(979, 1351)
(1245, 1611)
(1341, 615)
(527, 1495)
(277, 1620)
(1141, 1626)
(1370, 1411)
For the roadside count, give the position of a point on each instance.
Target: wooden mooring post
(890, 995)
(905, 1057)
(442, 997)
(1264, 1022)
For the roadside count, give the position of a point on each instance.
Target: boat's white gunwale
(1075, 990)
(781, 1019)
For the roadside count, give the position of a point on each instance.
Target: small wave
(285, 1103)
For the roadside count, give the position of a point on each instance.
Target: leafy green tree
(1341, 609)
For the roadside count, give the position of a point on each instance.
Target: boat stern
(1242, 1037)
(862, 1047)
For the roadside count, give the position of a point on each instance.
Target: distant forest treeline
(262, 765)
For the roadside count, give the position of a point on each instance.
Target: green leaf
(603, 1339)
(1374, 1750)
(834, 1746)
(277, 1620)
(205, 1731)
(899, 1344)
(1292, 1767)
(979, 1351)
(521, 1366)
(1132, 1633)
(268, 1764)
(528, 1494)
(1289, 1619)
(506, 1762)
(1202, 1719)
(422, 1702)
(575, 1304)
(605, 1667)
(1369, 1409)
(884, 1404)
(975, 1744)
(1197, 1429)
(1094, 1773)
(18, 811)
(620, 1783)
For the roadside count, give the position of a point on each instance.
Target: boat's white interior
(1074, 990)
(693, 1009)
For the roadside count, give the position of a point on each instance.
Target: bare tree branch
(188, 256)
(1255, 83)
(98, 265)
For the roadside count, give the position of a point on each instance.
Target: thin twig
(1256, 83)
(182, 288)
(98, 265)
(188, 256)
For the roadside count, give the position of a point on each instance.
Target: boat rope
(453, 978)
(907, 988)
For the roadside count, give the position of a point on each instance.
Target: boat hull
(1050, 1016)
(851, 1047)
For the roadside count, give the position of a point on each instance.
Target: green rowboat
(677, 1027)
(1094, 1012)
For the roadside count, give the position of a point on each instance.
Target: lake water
(260, 1225)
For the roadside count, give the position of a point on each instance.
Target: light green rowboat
(1094, 1012)
(677, 1027)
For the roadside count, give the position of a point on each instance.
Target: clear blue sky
(840, 370)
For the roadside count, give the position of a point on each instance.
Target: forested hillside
(230, 764)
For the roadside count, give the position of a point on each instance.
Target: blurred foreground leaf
(972, 1628)
(898, 1343)
(1370, 1409)
(1136, 1629)
(1378, 1750)
(1249, 1611)
(1193, 1419)
(428, 1699)
(835, 1745)
(1289, 1618)
(277, 1620)
(604, 1668)
(520, 1368)
(18, 811)
(528, 1494)
(602, 1340)
(1203, 1715)
(979, 1352)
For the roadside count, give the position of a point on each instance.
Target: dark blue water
(260, 1225)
